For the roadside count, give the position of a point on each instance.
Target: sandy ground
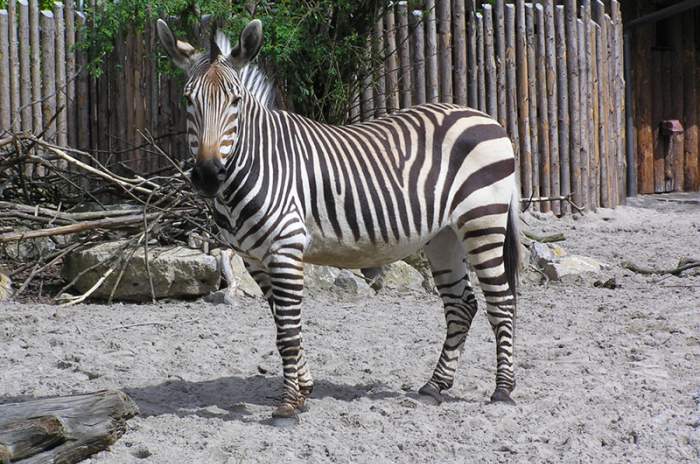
(603, 375)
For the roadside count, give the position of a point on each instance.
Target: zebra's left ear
(249, 44)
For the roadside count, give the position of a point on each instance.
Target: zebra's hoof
(306, 391)
(302, 405)
(501, 395)
(285, 416)
(430, 395)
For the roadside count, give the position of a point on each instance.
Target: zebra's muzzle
(207, 176)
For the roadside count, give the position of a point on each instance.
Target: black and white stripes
(288, 190)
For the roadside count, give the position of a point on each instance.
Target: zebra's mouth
(208, 176)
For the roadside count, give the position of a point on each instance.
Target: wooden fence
(550, 72)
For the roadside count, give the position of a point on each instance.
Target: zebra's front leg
(447, 260)
(262, 277)
(286, 271)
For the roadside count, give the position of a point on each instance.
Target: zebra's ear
(249, 44)
(180, 52)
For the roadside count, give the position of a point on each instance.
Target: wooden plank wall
(550, 71)
(665, 73)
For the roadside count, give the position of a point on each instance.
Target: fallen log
(684, 264)
(545, 238)
(65, 429)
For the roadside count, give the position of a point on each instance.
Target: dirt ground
(603, 375)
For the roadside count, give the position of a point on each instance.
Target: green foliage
(313, 48)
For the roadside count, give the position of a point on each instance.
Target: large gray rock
(176, 272)
(402, 277)
(570, 267)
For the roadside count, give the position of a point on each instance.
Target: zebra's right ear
(180, 52)
(249, 44)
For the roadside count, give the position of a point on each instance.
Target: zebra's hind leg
(485, 250)
(262, 277)
(447, 260)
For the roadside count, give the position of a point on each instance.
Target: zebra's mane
(258, 84)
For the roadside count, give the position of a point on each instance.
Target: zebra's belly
(363, 253)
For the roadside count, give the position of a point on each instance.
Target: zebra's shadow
(227, 398)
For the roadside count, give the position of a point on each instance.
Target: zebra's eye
(235, 99)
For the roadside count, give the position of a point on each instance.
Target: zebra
(286, 190)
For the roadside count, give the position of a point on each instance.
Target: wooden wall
(666, 83)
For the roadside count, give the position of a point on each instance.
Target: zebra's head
(215, 95)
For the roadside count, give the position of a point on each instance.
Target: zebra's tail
(511, 248)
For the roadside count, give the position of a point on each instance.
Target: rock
(420, 263)
(5, 286)
(540, 254)
(610, 284)
(352, 284)
(176, 272)
(319, 278)
(568, 267)
(27, 249)
(240, 283)
(223, 296)
(403, 277)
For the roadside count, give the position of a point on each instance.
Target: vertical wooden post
(431, 54)
(532, 98)
(404, 55)
(391, 61)
(378, 59)
(552, 102)
(82, 93)
(60, 57)
(643, 37)
(583, 114)
(48, 74)
(490, 62)
(70, 72)
(5, 100)
(472, 94)
(444, 27)
(511, 91)
(523, 99)
(366, 98)
(612, 120)
(620, 109)
(595, 160)
(678, 37)
(500, 36)
(603, 78)
(690, 107)
(14, 65)
(480, 65)
(574, 103)
(564, 121)
(35, 45)
(25, 78)
(589, 121)
(460, 53)
(542, 108)
(418, 58)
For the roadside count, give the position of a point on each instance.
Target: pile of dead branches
(63, 199)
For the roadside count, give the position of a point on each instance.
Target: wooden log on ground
(490, 63)
(511, 84)
(63, 429)
(61, 102)
(392, 61)
(35, 43)
(444, 30)
(552, 101)
(460, 53)
(691, 107)
(500, 36)
(404, 55)
(48, 75)
(472, 91)
(563, 106)
(480, 65)
(5, 99)
(418, 57)
(542, 108)
(431, 54)
(523, 99)
(378, 57)
(532, 97)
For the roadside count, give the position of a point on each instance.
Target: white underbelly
(363, 253)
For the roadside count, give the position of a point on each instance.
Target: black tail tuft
(511, 251)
